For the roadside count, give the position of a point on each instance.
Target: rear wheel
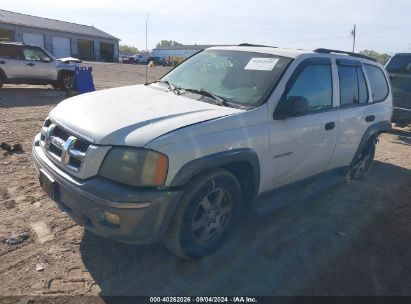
(206, 213)
(363, 162)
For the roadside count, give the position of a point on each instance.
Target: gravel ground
(327, 238)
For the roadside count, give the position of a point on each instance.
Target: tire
(66, 81)
(206, 214)
(1, 82)
(363, 162)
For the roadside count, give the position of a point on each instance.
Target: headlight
(135, 167)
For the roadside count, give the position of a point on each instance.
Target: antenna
(146, 47)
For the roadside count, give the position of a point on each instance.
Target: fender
(373, 131)
(196, 166)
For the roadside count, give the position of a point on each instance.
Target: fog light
(112, 218)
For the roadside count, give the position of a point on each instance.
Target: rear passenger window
(8, 52)
(353, 88)
(378, 82)
(315, 84)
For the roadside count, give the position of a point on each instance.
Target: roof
(193, 47)
(52, 24)
(291, 53)
(294, 53)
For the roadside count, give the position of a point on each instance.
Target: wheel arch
(64, 72)
(242, 163)
(3, 75)
(372, 131)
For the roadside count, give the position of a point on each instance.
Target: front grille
(65, 148)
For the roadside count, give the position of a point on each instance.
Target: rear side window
(378, 82)
(353, 88)
(400, 63)
(315, 84)
(8, 52)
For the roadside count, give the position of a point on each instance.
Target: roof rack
(257, 45)
(329, 51)
(13, 42)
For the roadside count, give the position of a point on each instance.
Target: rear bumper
(144, 214)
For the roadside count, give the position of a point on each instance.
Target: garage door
(61, 47)
(35, 39)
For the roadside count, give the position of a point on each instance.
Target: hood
(132, 115)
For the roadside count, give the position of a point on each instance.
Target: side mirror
(298, 105)
(46, 59)
(291, 106)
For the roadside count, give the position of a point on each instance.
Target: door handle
(370, 118)
(2, 62)
(329, 125)
(30, 64)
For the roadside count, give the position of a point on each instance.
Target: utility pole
(146, 47)
(353, 33)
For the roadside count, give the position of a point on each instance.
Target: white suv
(21, 63)
(178, 159)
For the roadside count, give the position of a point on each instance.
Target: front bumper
(144, 214)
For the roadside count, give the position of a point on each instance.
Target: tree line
(129, 49)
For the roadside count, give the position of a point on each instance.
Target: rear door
(399, 68)
(36, 65)
(11, 61)
(364, 96)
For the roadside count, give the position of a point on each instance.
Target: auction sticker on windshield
(261, 64)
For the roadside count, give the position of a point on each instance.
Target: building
(61, 38)
(183, 51)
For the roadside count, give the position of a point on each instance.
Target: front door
(39, 65)
(303, 145)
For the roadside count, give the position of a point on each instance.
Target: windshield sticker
(261, 64)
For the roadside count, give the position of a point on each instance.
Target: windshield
(241, 77)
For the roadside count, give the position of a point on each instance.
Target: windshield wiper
(221, 100)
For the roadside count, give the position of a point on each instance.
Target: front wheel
(362, 164)
(206, 213)
(66, 82)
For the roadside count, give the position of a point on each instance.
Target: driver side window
(314, 83)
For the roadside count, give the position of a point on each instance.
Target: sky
(382, 25)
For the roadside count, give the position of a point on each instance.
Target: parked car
(179, 159)
(126, 59)
(156, 60)
(22, 63)
(399, 69)
(140, 59)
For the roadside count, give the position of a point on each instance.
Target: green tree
(165, 43)
(380, 57)
(128, 49)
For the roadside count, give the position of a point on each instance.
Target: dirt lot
(328, 238)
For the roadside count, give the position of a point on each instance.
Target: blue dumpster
(83, 80)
